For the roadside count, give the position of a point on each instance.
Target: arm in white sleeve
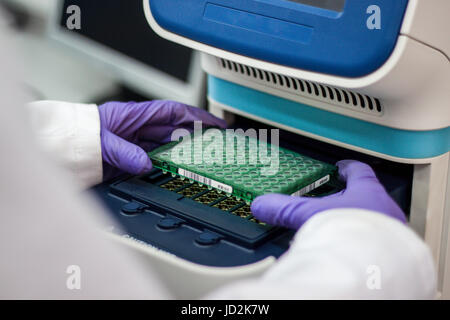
(46, 226)
(70, 134)
(346, 254)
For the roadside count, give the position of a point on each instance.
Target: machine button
(132, 208)
(169, 223)
(207, 238)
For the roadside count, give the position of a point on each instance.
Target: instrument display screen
(335, 5)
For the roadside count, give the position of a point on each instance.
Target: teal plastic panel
(393, 142)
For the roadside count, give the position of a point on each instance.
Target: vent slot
(309, 89)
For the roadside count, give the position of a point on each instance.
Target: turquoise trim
(389, 141)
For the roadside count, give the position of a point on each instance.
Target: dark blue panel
(289, 33)
(203, 240)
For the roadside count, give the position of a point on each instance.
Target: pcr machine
(341, 79)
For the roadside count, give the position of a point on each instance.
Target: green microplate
(240, 166)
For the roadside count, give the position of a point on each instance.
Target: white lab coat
(47, 225)
(341, 253)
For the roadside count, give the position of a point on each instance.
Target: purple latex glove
(363, 191)
(130, 129)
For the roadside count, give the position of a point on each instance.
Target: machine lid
(349, 38)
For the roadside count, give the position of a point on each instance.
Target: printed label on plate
(311, 187)
(209, 182)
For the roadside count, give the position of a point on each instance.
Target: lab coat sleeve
(51, 241)
(70, 134)
(346, 254)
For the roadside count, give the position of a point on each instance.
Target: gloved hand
(363, 191)
(130, 129)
